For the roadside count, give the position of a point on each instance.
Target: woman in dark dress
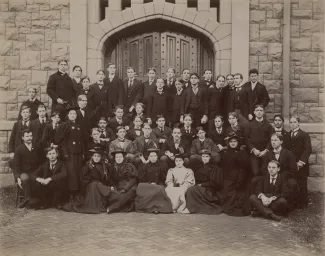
(124, 177)
(71, 140)
(235, 128)
(204, 197)
(234, 166)
(151, 195)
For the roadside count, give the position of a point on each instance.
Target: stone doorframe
(88, 35)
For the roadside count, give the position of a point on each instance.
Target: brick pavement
(53, 232)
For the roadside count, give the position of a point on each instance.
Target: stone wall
(265, 48)
(34, 35)
(307, 60)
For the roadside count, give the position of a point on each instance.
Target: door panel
(160, 50)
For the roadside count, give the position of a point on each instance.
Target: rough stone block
(273, 23)
(257, 16)
(34, 42)
(49, 15)
(4, 82)
(65, 18)
(11, 62)
(8, 97)
(39, 77)
(39, 2)
(60, 51)
(30, 60)
(18, 85)
(321, 159)
(318, 42)
(270, 35)
(8, 18)
(2, 66)
(301, 44)
(49, 35)
(277, 70)
(305, 5)
(278, 11)
(273, 86)
(302, 14)
(5, 47)
(265, 7)
(295, 56)
(275, 51)
(3, 112)
(17, 5)
(318, 7)
(62, 35)
(311, 80)
(42, 24)
(313, 159)
(12, 34)
(294, 31)
(21, 74)
(316, 171)
(257, 48)
(307, 70)
(304, 95)
(59, 4)
(265, 67)
(23, 19)
(316, 114)
(49, 65)
(32, 8)
(253, 62)
(254, 32)
(309, 59)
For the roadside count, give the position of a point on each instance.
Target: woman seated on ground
(95, 185)
(178, 180)
(151, 195)
(124, 177)
(233, 164)
(205, 197)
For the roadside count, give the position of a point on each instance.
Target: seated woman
(178, 180)
(124, 177)
(151, 195)
(205, 197)
(233, 163)
(95, 185)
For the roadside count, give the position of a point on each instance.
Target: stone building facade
(282, 38)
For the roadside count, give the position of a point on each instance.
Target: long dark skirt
(74, 164)
(202, 200)
(151, 198)
(235, 201)
(118, 202)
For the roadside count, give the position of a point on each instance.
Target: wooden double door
(160, 50)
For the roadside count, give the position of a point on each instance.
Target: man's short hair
(184, 70)
(279, 136)
(239, 74)
(296, 117)
(25, 107)
(118, 107)
(199, 128)
(98, 71)
(259, 106)
(59, 62)
(253, 71)
(41, 106)
(218, 116)
(110, 64)
(50, 149)
(76, 66)
(128, 68)
(275, 162)
(22, 133)
(229, 75)
(81, 97)
(171, 69)
(278, 115)
(32, 88)
(208, 69)
(152, 69)
(160, 116)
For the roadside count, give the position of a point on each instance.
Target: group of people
(185, 145)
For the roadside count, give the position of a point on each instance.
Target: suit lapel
(281, 156)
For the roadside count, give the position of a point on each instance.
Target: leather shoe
(272, 216)
(23, 203)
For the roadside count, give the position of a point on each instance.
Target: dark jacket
(165, 134)
(202, 99)
(153, 172)
(207, 144)
(124, 176)
(169, 145)
(77, 87)
(99, 172)
(15, 136)
(258, 96)
(258, 135)
(287, 160)
(170, 88)
(158, 104)
(175, 105)
(131, 95)
(25, 161)
(98, 98)
(147, 90)
(37, 129)
(113, 124)
(209, 176)
(189, 137)
(206, 84)
(216, 101)
(115, 92)
(60, 171)
(48, 136)
(61, 86)
(139, 146)
(279, 189)
(131, 134)
(218, 138)
(243, 101)
(87, 121)
(300, 145)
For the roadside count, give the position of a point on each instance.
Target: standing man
(115, 87)
(170, 86)
(32, 103)
(195, 101)
(256, 93)
(60, 88)
(132, 91)
(207, 82)
(186, 78)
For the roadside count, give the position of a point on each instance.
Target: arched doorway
(159, 44)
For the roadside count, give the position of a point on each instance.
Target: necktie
(272, 181)
(130, 83)
(202, 144)
(293, 134)
(187, 131)
(277, 155)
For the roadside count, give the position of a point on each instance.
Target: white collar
(201, 140)
(53, 163)
(253, 83)
(77, 79)
(33, 100)
(261, 120)
(295, 130)
(111, 76)
(274, 177)
(278, 129)
(30, 146)
(278, 150)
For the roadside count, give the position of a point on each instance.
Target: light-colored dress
(178, 180)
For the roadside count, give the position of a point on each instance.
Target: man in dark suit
(174, 146)
(132, 91)
(300, 145)
(50, 129)
(26, 161)
(186, 78)
(170, 81)
(158, 102)
(85, 117)
(76, 79)
(195, 101)
(188, 133)
(162, 132)
(207, 81)
(23, 124)
(256, 93)
(149, 86)
(32, 103)
(115, 88)
(119, 119)
(98, 96)
(49, 180)
(60, 89)
(257, 137)
(237, 100)
(271, 194)
(278, 121)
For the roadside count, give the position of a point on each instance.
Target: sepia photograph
(162, 127)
